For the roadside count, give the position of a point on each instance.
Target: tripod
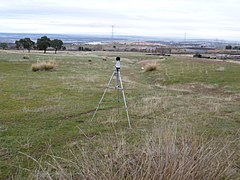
(119, 86)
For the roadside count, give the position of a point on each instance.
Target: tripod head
(117, 65)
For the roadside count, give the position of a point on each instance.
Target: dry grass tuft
(164, 154)
(44, 66)
(220, 69)
(151, 67)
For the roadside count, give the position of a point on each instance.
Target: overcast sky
(215, 19)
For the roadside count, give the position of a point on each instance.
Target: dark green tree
(56, 44)
(228, 47)
(43, 43)
(3, 45)
(18, 44)
(236, 48)
(80, 48)
(26, 43)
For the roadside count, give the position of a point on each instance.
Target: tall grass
(44, 65)
(162, 154)
(151, 67)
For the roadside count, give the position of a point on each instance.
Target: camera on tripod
(117, 65)
(119, 86)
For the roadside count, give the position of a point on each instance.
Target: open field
(185, 118)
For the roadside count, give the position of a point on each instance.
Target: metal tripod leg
(125, 102)
(118, 88)
(103, 95)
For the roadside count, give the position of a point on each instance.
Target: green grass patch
(47, 113)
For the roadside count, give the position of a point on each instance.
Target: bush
(44, 66)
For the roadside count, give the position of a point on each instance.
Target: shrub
(44, 66)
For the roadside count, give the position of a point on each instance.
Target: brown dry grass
(44, 65)
(151, 66)
(163, 154)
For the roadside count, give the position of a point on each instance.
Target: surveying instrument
(119, 86)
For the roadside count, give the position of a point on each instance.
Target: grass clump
(44, 66)
(162, 154)
(151, 67)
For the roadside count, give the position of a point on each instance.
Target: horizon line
(159, 38)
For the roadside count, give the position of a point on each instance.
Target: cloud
(202, 18)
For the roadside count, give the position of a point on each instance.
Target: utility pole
(112, 32)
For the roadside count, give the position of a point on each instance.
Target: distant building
(163, 50)
(196, 50)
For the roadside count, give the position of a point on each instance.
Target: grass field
(185, 118)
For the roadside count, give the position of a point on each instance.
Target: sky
(212, 19)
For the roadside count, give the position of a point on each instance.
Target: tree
(56, 44)
(228, 47)
(43, 43)
(26, 43)
(18, 44)
(3, 45)
(80, 48)
(236, 48)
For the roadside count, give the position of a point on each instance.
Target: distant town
(220, 49)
